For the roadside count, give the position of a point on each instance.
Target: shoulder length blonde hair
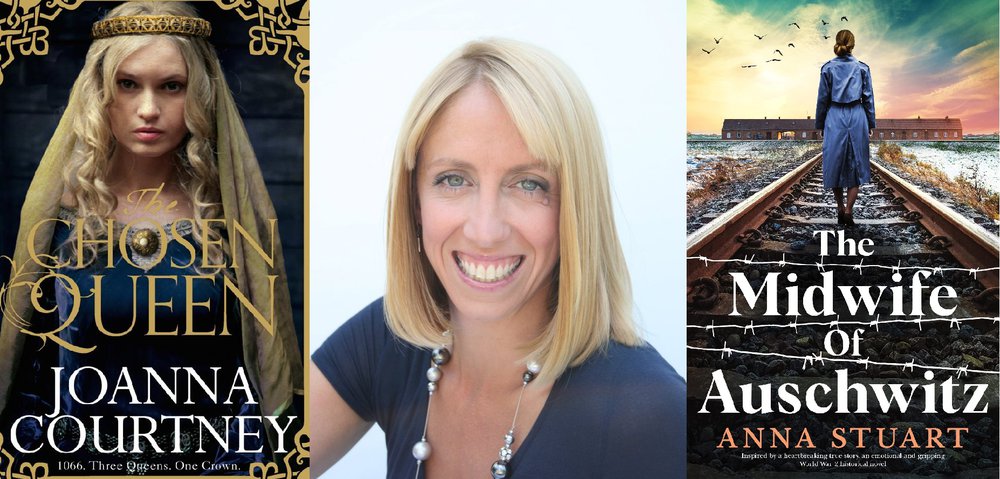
(592, 302)
(86, 171)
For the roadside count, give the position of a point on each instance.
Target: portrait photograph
(484, 164)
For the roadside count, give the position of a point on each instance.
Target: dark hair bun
(845, 43)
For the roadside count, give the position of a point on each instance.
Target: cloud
(975, 51)
(915, 71)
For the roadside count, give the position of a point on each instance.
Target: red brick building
(889, 129)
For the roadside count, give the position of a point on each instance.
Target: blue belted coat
(845, 111)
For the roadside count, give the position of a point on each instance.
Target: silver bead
(499, 470)
(431, 387)
(441, 356)
(508, 439)
(534, 367)
(422, 450)
(528, 377)
(434, 374)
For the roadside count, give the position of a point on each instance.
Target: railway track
(773, 243)
(798, 199)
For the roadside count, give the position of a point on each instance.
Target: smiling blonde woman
(505, 341)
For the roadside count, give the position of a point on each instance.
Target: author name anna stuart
(135, 434)
(844, 437)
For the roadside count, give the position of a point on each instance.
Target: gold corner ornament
(281, 27)
(295, 464)
(24, 27)
(26, 470)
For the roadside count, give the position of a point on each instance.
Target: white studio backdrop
(367, 61)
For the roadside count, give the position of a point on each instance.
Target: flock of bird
(761, 37)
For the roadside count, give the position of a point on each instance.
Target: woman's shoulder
(630, 403)
(639, 372)
(368, 325)
(365, 333)
(844, 65)
(365, 363)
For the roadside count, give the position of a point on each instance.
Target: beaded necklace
(422, 449)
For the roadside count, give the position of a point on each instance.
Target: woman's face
(147, 114)
(489, 211)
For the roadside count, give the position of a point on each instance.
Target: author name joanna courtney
(134, 434)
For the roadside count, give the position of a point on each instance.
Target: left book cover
(152, 242)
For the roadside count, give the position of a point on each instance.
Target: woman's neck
(147, 190)
(129, 173)
(487, 352)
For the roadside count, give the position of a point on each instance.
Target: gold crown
(151, 24)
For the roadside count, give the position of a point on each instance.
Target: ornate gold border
(25, 470)
(295, 464)
(279, 27)
(27, 32)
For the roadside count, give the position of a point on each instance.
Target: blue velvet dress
(216, 358)
(845, 111)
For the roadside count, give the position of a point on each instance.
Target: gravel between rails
(761, 162)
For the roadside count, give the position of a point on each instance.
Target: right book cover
(842, 252)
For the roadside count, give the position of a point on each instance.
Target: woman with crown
(163, 290)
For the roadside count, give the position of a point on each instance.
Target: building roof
(769, 124)
(810, 124)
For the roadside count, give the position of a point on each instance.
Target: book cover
(153, 238)
(850, 340)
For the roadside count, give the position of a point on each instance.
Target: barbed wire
(821, 266)
(813, 358)
(835, 324)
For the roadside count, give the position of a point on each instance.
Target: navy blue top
(620, 414)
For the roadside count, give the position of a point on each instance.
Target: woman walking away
(845, 111)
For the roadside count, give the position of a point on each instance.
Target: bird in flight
(791, 45)
(773, 60)
(843, 19)
(796, 25)
(779, 52)
(747, 66)
(826, 37)
(760, 37)
(708, 51)
(824, 21)
(717, 40)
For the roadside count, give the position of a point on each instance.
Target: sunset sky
(932, 58)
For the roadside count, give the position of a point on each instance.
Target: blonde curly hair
(85, 173)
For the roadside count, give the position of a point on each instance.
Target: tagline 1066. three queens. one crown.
(151, 25)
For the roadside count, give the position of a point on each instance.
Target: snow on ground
(761, 161)
(700, 152)
(956, 158)
(953, 158)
